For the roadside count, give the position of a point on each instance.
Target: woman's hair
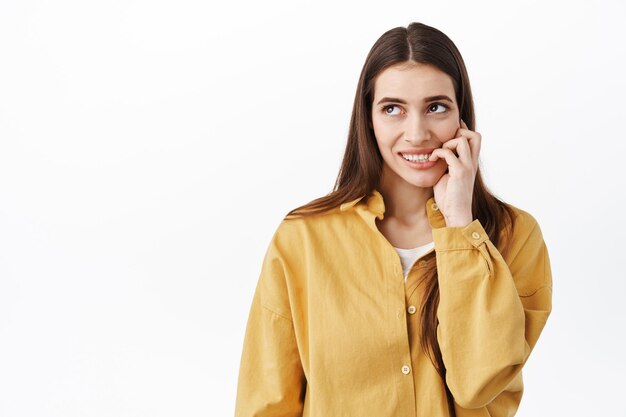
(362, 163)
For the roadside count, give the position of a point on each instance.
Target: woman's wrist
(459, 221)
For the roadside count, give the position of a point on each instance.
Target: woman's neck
(404, 202)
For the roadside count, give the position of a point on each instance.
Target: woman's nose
(416, 130)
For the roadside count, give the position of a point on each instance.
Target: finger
(474, 144)
(462, 148)
(474, 140)
(450, 158)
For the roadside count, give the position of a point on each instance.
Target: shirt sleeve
(491, 310)
(271, 378)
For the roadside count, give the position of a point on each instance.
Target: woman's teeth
(416, 158)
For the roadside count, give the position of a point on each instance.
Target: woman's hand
(454, 190)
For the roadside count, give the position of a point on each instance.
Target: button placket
(395, 268)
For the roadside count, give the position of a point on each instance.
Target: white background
(149, 149)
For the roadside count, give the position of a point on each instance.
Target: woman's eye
(438, 104)
(432, 106)
(386, 108)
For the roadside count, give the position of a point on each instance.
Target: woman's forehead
(414, 81)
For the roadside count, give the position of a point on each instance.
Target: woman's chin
(422, 183)
(425, 179)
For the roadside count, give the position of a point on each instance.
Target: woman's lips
(419, 165)
(418, 151)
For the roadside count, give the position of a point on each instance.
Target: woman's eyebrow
(399, 100)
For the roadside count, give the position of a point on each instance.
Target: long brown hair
(362, 163)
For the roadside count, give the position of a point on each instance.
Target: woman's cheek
(448, 136)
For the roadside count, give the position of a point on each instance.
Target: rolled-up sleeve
(491, 310)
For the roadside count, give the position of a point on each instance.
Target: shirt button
(434, 206)
(406, 369)
(411, 309)
(475, 235)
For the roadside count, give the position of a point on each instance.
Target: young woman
(409, 290)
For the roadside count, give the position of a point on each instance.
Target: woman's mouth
(417, 161)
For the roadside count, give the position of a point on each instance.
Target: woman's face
(407, 117)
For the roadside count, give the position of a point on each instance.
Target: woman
(410, 290)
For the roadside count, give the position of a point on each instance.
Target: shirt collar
(374, 206)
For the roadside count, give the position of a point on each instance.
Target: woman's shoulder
(290, 225)
(312, 219)
(524, 215)
(526, 226)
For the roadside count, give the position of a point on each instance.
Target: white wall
(147, 146)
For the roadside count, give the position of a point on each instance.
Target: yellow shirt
(332, 330)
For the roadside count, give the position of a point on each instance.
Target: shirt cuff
(460, 237)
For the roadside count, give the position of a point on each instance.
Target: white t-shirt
(409, 256)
